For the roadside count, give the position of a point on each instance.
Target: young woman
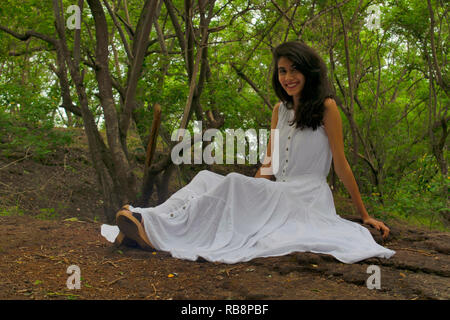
(236, 218)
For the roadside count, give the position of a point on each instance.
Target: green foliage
(19, 136)
(27, 122)
(11, 211)
(47, 214)
(390, 69)
(417, 197)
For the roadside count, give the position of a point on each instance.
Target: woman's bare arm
(267, 161)
(333, 127)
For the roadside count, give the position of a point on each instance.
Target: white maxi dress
(236, 218)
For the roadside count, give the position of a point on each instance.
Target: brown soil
(38, 244)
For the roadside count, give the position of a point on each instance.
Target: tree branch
(13, 53)
(27, 35)
(291, 23)
(140, 45)
(121, 34)
(433, 48)
(253, 85)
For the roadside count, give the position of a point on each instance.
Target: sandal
(121, 238)
(130, 225)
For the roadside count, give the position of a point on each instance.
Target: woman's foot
(132, 228)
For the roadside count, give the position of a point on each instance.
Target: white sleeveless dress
(236, 218)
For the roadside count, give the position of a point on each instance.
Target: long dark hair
(317, 86)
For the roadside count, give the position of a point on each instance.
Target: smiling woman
(301, 81)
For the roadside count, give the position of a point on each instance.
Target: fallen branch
(416, 250)
(114, 281)
(15, 161)
(154, 288)
(111, 263)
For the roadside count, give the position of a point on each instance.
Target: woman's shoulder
(330, 104)
(276, 109)
(279, 106)
(329, 101)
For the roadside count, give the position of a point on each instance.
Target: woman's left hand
(380, 226)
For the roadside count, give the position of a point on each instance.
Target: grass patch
(11, 211)
(47, 214)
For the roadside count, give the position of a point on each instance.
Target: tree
(211, 61)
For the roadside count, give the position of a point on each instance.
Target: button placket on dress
(185, 204)
(288, 146)
(182, 207)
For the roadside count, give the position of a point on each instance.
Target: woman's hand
(380, 226)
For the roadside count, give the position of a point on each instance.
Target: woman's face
(291, 79)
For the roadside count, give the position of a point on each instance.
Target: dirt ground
(35, 255)
(51, 216)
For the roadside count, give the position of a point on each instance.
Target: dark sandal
(121, 238)
(130, 225)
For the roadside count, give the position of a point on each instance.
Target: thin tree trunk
(122, 170)
(350, 91)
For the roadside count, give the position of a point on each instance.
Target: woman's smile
(291, 85)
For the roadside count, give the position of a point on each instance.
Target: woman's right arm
(267, 160)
